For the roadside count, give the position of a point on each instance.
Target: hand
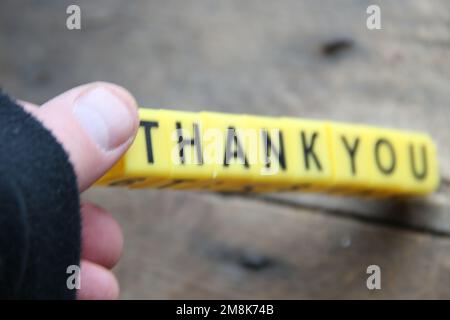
(95, 123)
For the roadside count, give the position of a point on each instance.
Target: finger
(102, 239)
(28, 106)
(97, 283)
(95, 123)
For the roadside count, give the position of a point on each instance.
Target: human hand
(95, 123)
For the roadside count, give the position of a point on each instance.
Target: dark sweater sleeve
(39, 209)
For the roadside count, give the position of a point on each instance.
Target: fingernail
(105, 117)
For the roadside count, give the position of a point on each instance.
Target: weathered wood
(186, 245)
(269, 58)
(430, 214)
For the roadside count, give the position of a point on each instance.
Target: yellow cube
(271, 148)
(351, 153)
(419, 157)
(184, 139)
(146, 163)
(308, 151)
(229, 148)
(388, 161)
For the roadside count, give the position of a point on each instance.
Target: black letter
(148, 125)
(269, 148)
(423, 174)
(308, 150)
(193, 142)
(351, 151)
(238, 152)
(386, 170)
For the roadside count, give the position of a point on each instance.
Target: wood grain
(186, 245)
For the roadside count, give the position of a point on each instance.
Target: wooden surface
(262, 57)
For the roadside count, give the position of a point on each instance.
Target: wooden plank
(186, 245)
(431, 214)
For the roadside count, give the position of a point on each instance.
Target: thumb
(95, 123)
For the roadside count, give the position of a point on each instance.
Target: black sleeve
(39, 209)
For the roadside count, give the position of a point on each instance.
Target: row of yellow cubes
(236, 153)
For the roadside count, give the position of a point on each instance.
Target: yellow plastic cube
(309, 152)
(419, 158)
(228, 146)
(184, 138)
(146, 163)
(351, 157)
(271, 148)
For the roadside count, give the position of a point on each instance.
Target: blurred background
(314, 59)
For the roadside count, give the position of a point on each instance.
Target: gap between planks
(348, 212)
